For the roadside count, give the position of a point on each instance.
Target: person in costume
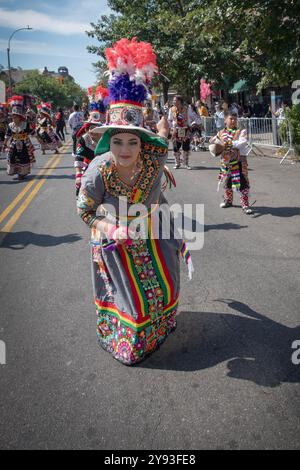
(45, 132)
(3, 125)
(101, 100)
(232, 147)
(197, 141)
(30, 116)
(87, 140)
(20, 155)
(135, 278)
(179, 120)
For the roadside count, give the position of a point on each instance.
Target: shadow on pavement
(20, 240)
(194, 225)
(217, 167)
(225, 226)
(255, 347)
(194, 167)
(275, 211)
(37, 178)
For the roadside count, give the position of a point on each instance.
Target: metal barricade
(262, 133)
(272, 133)
(209, 128)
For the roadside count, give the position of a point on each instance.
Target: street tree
(47, 88)
(214, 39)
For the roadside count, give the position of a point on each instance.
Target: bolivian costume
(20, 155)
(46, 136)
(136, 285)
(3, 125)
(181, 135)
(233, 173)
(86, 145)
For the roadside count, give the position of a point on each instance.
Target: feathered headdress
(17, 105)
(131, 66)
(46, 107)
(99, 99)
(132, 58)
(101, 93)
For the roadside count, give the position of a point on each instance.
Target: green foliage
(214, 39)
(293, 117)
(47, 88)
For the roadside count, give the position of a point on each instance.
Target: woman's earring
(139, 162)
(138, 167)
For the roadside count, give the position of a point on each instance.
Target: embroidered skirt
(136, 291)
(20, 157)
(48, 139)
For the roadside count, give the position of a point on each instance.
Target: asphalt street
(224, 380)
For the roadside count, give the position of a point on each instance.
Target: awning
(239, 86)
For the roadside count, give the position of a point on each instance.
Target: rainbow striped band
(108, 308)
(126, 114)
(127, 104)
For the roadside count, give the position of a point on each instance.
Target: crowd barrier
(262, 133)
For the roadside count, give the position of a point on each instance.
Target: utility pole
(8, 57)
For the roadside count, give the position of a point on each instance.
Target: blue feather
(122, 88)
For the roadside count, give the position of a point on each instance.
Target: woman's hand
(163, 127)
(121, 235)
(78, 180)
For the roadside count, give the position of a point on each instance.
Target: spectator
(257, 109)
(202, 109)
(280, 113)
(166, 108)
(151, 117)
(159, 110)
(60, 124)
(219, 118)
(247, 111)
(233, 109)
(240, 110)
(195, 127)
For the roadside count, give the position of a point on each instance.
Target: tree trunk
(166, 86)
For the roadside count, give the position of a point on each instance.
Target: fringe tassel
(186, 256)
(190, 268)
(170, 180)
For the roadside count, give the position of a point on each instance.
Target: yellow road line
(13, 204)
(7, 228)
(25, 190)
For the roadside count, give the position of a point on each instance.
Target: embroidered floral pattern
(147, 276)
(86, 207)
(102, 271)
(128, 345)
(143, 186)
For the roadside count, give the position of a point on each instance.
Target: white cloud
(40, 22)
(42, 48)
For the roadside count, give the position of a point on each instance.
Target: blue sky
(58, 37)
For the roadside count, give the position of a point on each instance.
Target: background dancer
(234, 166)
(179, 121)
(45, 133)
(20, 149)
